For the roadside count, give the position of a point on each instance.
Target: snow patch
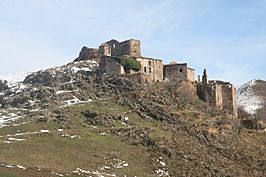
(74, 101)
(27, 133)
(17, 87)
(56, 174)
(119, 163)
(45, 131)
(21, 167)
(80, 171)
(13, 166)
(7, 119)
(247, 99)
(65, 91)
(77, 69)
(162, 172)
(15, 139)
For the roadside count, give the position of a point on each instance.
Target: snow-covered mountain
(14, 77)
(251, 97)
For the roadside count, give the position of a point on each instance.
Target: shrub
(242, 114)
(3, 85)
(129, 63)
(2, 101)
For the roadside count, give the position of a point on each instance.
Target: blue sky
(228, 37)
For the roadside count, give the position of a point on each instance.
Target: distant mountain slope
(251, 97)
(15, 77)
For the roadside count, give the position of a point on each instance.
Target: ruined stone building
(151, 68)
(111, 52)
(130, 48)
(218, 93)
(124, 59)
(178, 72)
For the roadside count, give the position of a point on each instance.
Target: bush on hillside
(129, 63)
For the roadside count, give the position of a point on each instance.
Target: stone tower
(204, 77)
(105, 50)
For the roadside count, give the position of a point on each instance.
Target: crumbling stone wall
(190, 74)
(113, 45)
(110, 66)
(151, 68)
(88, 54)
(105, 50)
(229, 98)
(192, 87)
(220, 94)
(126, 48)
(234, 98)
(178, 72)
(206, 93)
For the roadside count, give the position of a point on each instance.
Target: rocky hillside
(252, 98)
(69, 121)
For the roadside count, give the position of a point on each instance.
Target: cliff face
(252, 98)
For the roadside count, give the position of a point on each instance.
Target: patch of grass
(55, 152)
(52, 151)
(5, 174)
(63, 155)
(28, 127)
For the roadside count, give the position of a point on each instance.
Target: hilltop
(251, 98)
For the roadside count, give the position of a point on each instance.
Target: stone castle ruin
(124, 59)
(218, 93)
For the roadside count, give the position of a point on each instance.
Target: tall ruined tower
(204, 77)
(105, 50)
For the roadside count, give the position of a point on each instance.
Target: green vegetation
(129, 63)
(89, 152)
(4, 174)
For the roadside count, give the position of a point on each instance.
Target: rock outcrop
(88, 54)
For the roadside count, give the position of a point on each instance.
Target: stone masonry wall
(229, 98)
(126, 48)
(105, 50)
(218, 96)
(234, 98)
(110, 66)
(113, 44)
(206, 93)
(152, 69)
(175, 72)
(190, 74)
